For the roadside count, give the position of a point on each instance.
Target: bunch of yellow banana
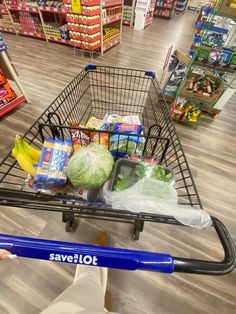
(25, 155)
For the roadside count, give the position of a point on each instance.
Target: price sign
(76, 6)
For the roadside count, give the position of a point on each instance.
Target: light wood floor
(28, 286)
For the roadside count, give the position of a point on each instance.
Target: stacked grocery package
(85, 29)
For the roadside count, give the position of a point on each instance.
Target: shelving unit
(220, 27)
(212, 61)
(181, 6)
(98, 23)
(144, 11)
(196, 5)
(165, 8)
(12, 101)
(129, 12)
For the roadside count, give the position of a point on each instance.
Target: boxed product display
(184, 110)
(7, 94)
(207, 87)
(176, 69)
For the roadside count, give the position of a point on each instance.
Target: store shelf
(54, 10)
(7, 29)
(12, 105)
(22, 8)
(84, 2)
(80, 30)
(148, 22)
(126, 22)
(162, 7)
(111, 3)
(87, 48)
(86, 39)
(59, 40)
(115, 41)
(112, 19)
(31, 34)
(95, 21)
(92, 13)
(3, 11)
(214, 67)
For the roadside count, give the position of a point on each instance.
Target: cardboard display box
(211, 100)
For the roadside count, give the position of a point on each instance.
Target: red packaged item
(79, 138)
(148, 160)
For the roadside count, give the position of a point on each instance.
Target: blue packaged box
(51, 171)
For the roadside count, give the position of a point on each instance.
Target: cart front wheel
(138, 227)
(136, 234)
(69, 225)
(68, 219)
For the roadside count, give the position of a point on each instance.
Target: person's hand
(6, 255)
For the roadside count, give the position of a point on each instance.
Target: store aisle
(28, 286)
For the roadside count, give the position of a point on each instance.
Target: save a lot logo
(75, 258)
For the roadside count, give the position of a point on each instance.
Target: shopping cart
(96, 91)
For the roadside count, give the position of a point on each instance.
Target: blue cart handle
(91, 255)
(121, 258)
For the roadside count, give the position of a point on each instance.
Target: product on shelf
(127, 13)
(219, 57)
(5, 21)
(88, 20)
(232, 62)
(110, 32)
(165, 8)
(54, 30)
(53, 4)
(184, 110)
(30, 23)
(6, 92)
(211, 29)
(111, 14)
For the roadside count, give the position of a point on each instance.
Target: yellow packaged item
(94, 123)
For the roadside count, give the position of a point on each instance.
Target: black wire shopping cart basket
(96, 91)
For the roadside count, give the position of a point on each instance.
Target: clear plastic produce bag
(156, 197)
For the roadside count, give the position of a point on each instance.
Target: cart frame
(96, 91)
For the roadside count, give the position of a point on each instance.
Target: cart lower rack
(96, 91)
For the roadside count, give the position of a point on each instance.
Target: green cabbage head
(90, 166)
